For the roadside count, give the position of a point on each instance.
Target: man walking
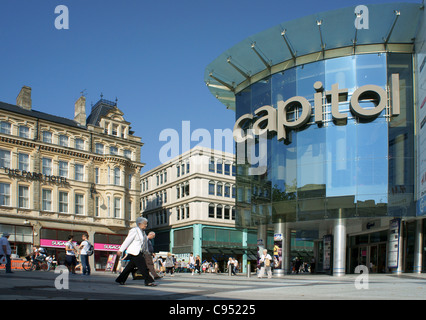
(135, 244)
(5, 251)
(148, 256)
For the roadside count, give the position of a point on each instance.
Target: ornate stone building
(63, 176)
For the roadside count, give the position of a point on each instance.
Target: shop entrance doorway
(372, 256)
(369, 250)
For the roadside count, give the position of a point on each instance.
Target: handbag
(3, 260)
(267, 262)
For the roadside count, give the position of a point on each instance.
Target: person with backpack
(265, 264)
(86, 250)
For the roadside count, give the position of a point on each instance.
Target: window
(23, 162)
(46, 164)
(211, 165)
(79, 144)
(226, 214)
(219, 213)
(99, 148)
(211, 188)
(63, 140)
(5, 127)
(187, 166)
(219, 166)
(113, 151)
(97, 206)
(234, 170)
(211, 210)
(24, 132)
(227, 169)
(46, 136)
(63, 169)
(117, 176)
(79, 203)
(96, 175)
(219, 191)
(177, 213)
(23, 194)
(114, 129)
(4, 158)
(46, 196)
(128, 154)
(117, 207)
(4, 194)
(79, 172)
(187, 212)
(233, 214)
(130, 180)
(109, 206)
(227, 190)
(177, 192)
(178, 170)
(63, 201)
(233, 192)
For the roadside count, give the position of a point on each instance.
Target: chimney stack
(24, 98)
(80, 111)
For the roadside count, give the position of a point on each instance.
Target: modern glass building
(327, 131)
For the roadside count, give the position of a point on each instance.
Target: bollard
(229, 270)
(248, 269)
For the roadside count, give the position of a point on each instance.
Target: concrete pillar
(418, 247)
(400, 268)
(197, 235)
(339, 248)
(172, 240)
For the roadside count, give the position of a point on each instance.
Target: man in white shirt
(5, 251)
(136, 244)
(70, 259)
(84, 247)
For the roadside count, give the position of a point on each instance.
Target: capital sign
(272, 119)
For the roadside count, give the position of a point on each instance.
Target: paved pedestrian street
(38, 285)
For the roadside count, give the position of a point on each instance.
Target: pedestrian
(198, 264)
(84, 257)
(70, 259)
(169, 264)
(265, 264)
(191, 265)
(235, 265)
(297, 265)
(5, 252)
(231, 266)
(149, 256)
(313, 265)
(136, 244)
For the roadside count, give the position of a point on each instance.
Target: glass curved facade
(338, 168)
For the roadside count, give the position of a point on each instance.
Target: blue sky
(151, 55)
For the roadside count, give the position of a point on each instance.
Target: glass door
(372, 264)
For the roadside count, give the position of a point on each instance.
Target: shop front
(106, 245)
(54, 240)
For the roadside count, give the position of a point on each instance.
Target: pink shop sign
(54, 243)
(107, 247)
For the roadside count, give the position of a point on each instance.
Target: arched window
(211, 210)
